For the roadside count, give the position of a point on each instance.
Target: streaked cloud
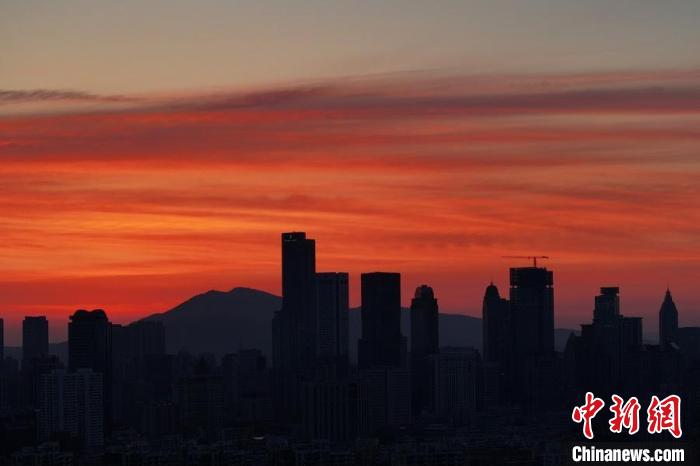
(52, 95)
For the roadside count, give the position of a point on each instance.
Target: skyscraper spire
(668, 320)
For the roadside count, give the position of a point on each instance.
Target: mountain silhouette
(221, 322)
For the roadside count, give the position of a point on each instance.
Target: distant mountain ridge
(222, 322)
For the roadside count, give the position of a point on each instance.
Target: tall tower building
(532, 310)
(382, 344)
(35, 338)
(424, 322)
(607, 305)
(333, 308)
(424, 343)
(297, 319)
(495, 326)
(2, 342)
(668, 321)
(294, 326)
(498, 334)
(89, 341)
(90, 347)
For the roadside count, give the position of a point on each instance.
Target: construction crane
(534, 258)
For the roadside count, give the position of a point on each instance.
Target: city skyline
(120, 383)
(58, 329)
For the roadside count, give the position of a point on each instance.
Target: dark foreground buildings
(610, 356)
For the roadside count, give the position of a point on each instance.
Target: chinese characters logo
(662, 415)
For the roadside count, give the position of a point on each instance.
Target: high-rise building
(424, 342)
(532, 311)
(35, 338)
(2, 342)
(89, 341)
(133, 345)
(382, 344)
(294, 326)
(496, 326)
(297, 320)
(137, 352)
(90, 347)
(147, 338)
(71, 403)
(333, 308)
(607, 305)
(424, 322)
(382, 352)
(604, 355)
(668, 321)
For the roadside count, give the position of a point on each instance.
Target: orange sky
(134, 203)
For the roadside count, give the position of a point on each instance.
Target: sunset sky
(153, 150)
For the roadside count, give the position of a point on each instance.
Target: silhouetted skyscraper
(138, 354)
(333, 308)
(90, 347)
(668, 321)
(532, 310)
(89, 340)
(2, 342)
(424, 342)
(603, 357)
(296, 342)
(607, 305)
(294, 326)
(35, 356)
(382, 352)
(498, 334)
(137, 343)
(35, 338)
(496, 329)
(528, 377)
(424, 322)
(382, 344)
